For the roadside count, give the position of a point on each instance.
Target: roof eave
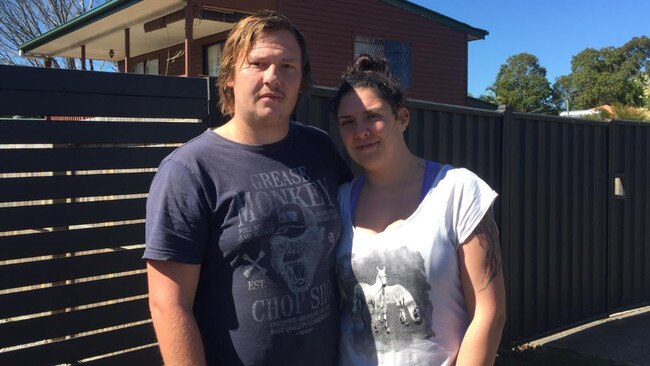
(100, 12)
(473, 33)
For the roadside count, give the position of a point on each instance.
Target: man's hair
(240, 41)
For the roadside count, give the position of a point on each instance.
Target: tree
(521, 83)
(23, 20)
(489, 97)
(609, 75)
(564, 92)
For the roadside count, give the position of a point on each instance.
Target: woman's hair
(370, 72)
(240, 42)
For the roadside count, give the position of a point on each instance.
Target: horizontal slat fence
(71, 239)
(55, 92)
(72, 195)
(72, 207)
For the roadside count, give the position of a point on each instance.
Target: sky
(552, 30)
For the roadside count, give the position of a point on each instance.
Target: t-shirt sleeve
(472, 199)
(324, 141)
(346, 173)
(178, 216)
(343, 168)
(344, 197)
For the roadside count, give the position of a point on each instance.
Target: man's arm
(172, 287)
(482, 280)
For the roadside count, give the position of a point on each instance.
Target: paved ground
(623, 337)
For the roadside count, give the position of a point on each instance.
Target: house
(591, 112)
(426, 50)
(580, 113)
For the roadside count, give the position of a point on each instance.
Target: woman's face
(370, 131)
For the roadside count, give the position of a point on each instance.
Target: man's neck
(253, 134)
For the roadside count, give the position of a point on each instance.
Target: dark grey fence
(72, 198)
(574, 207)
(629, 215)
(555, 205)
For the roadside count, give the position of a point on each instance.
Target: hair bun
(370, 72)
(367, 63)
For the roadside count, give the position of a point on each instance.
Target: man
(242, 220)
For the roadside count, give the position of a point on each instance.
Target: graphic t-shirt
(262, 221)
(403, 302)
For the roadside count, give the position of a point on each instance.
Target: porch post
(83, 57)
(48, 64)
(127, 49)
(189, 34)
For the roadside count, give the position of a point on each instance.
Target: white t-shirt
(419, 317)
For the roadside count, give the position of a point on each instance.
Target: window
(369, 46)
(212, 59)
(397, 54)
(148, 67)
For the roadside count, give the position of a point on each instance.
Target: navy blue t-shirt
(262, 221)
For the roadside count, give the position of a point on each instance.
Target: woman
(418, 262)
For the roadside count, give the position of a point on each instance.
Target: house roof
(480, 103)
(102, 29)
(472, 32)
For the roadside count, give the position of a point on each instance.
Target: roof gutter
(473, 33)
(77, 23)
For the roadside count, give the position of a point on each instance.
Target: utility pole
(568, 109)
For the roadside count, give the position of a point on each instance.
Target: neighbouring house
(480, 103)
(427, 50)
(591, 112)
(580, 113)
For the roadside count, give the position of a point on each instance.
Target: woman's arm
(172, 287)
(482, 281)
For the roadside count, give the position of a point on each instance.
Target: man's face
(266, 82)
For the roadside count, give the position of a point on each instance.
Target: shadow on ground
(625, 339)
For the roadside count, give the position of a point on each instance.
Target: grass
(542, 356)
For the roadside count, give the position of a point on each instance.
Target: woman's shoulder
(458, 182)
(458, 175)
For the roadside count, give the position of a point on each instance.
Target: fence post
(506, 120)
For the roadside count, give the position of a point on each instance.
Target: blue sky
(552, 30)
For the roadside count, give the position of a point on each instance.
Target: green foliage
(629, 114)
(620, 112)
(521, 83)
(602, 115)
(564, 90)
(490, 98)
(607, 76)
(644, 79)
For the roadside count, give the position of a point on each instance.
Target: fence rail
(574, 207)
